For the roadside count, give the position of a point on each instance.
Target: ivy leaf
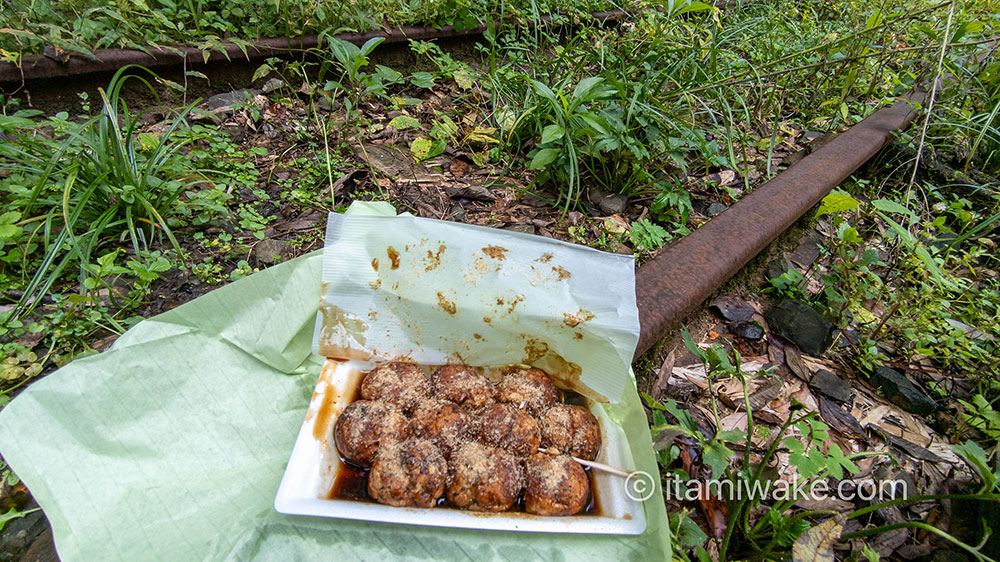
(837, 462)
(810, 464)
(717, 456)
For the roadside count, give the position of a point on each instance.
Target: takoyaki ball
(482, 478)
(510, 429)
(572, 430)
(554, 485)
(443, 423)
(398, 383)
(462, 385)
(530, 389)
(364, 426)
(408, 473)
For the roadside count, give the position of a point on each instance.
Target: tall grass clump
(76, 187)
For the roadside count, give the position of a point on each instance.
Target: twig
(939, 77)
(595, 465)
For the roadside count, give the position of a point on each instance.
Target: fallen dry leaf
(459, 167)
(793, 358)
(767, 392)
(816, 544)
(714, 510)
(477, 192)
(733, 308)
(839, 419)
(663, 376)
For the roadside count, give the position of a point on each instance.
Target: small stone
(809, 136)
(799, 323)
(850, 339)
(237, 132)
(523, 228)
(229, 99)
(778, 267)
(716, 209)
(748, 331)
(807, 252)
(831, 385)
(272, 85)
(270, 251)
(612, 204)
(607, 203)
(899, 390)
(325, 103)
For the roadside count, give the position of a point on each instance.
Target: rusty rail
(34, 67)
(678, 280)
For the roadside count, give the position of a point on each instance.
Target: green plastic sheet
(171, 445)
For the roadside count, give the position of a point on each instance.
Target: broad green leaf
(693, 347)
(898, 229)
(10, 217)
(932, 266)
(693, 7)
(421, 147)
(422, 79)
(595, 122)
(689, 534)
(551, 133)
(586, 87)
(403, 122)
(9, 122)
(889, 206)
(837, 202)
(543, 90)
(463, 78)
(732, 436)
(370, 45)
(387, 74)
(443, 128)
(543, 158)
(850, 235)
(717, 456)
(870, 257)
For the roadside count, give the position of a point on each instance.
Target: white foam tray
(314, 464)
